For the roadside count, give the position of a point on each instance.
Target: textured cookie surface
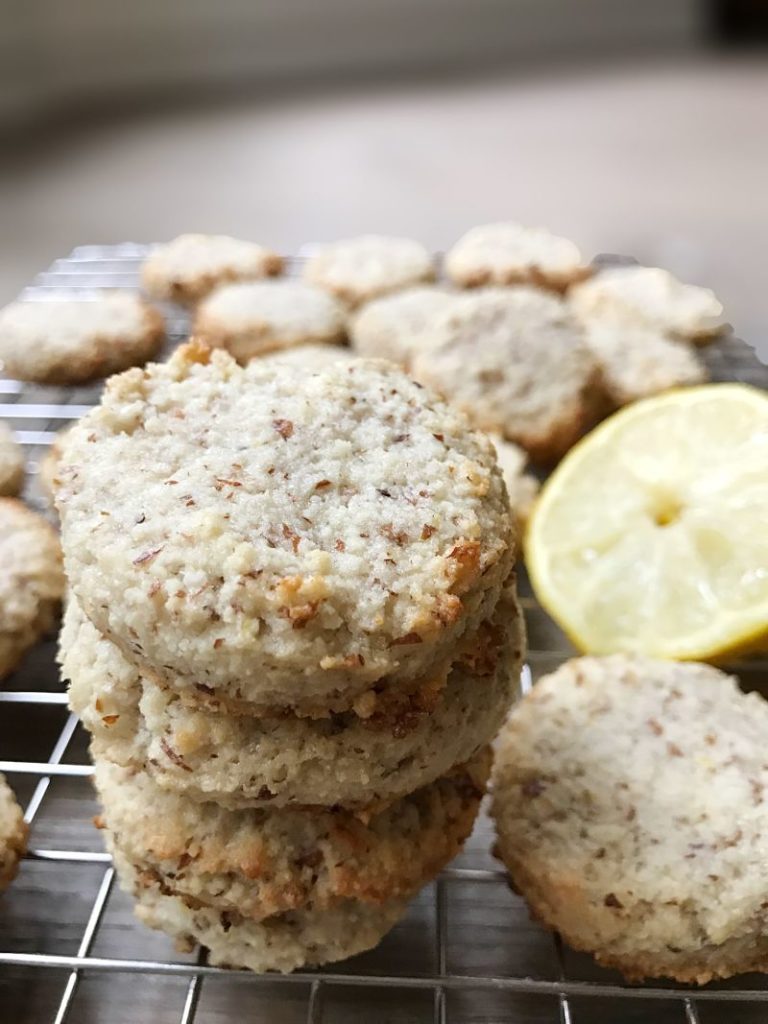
(48, 466)
(357, 270)
(515, 360)
(650, 296)
(11, 462)
(188, 268)
(631, 803)
(13, 834)
(262, 862)
(522, 487)
(292, 538)
(284, 942)
(392, 327)
(637, 361)
(31, 580)
(251, 318)
(67, 341)
(508, 253)
(241, 761)
(309, 358)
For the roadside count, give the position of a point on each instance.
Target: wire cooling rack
(70, 949)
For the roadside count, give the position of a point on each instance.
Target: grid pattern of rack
(70, 950)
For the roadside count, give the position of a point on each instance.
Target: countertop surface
(665, 161)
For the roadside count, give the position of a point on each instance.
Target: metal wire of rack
(467, 950)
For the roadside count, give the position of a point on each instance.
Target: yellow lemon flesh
(651, 536)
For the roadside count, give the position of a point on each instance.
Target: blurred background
(638, 128)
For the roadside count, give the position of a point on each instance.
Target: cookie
(287, 539)
(631, 803)
(515, 361)
(48, 466)
(358, 270)
(508, 253)
(252, 318)
(31, 580)
(188, 268)
(11, 462)
(284, 942)
(637, 361)
(309, 358)
(522, 487)
(13, 834)
(240, 761)
(71, 341)
(277, 890)
(392, 327)
(653, 297)
(263, 862)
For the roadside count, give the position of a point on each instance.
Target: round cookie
(48, 466)
(31, 580)
(255, 317)
(515, 361)
(508, 253)
(522, 487)
(637, 361)
(188, 268)
(285, 942)
(309, 358)
(240, 761)
(72, 341)
(358, 270)
(11, 462)
(262, 862)
(286, 539)
(631, 805)
(392, 327)
(13, 834)
(652, 297)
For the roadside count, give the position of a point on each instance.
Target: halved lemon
(651, 536)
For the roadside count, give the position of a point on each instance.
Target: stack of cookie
(293, 632)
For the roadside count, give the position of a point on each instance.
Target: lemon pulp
(652, 535)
